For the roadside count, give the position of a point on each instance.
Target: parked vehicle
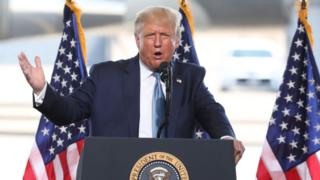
(250, 63)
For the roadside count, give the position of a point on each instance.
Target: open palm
(34, 75)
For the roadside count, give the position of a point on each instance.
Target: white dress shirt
(38, 99)
(147, 83)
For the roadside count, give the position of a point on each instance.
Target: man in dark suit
(118, 95)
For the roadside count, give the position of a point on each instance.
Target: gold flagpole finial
(183, 3)
(303, 4)
(303, 15)
(187, 11)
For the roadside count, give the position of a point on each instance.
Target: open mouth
(157, 55)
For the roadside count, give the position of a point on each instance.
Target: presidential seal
(159, 166)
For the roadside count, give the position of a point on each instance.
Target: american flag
(186, 52)
(293, 136)
(56, 151)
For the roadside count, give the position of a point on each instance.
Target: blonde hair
(157, 13)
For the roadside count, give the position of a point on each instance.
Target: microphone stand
(166, 76)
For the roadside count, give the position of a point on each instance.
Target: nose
(158, 41)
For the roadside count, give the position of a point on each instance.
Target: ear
(177, 42)
(138, 40)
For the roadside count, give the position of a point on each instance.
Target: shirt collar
(145, 72)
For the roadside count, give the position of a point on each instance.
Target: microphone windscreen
(164, 69)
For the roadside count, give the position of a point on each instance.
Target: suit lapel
(131, 85)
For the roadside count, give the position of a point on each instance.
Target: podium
(147, 158)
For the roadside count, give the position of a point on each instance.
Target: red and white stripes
(64, 166)
(269, 167)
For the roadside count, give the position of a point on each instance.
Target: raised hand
(34, 75)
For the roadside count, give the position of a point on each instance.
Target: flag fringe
(187, 11)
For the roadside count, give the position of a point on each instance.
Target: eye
(149, 36)
(165, 35)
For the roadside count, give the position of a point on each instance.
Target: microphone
(165, 70)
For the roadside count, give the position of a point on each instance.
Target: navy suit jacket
(110, 97)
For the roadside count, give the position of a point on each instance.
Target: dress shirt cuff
(227, 137)
(38, 99)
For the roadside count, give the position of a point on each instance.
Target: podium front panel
(122, 158)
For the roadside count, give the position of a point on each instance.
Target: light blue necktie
(158, 105)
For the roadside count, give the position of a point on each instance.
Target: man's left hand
(238, 150)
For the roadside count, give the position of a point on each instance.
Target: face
(156, 43)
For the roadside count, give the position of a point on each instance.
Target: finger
(237, 147)
(25, 66)
(37, 61)
(237, 158)
(239, 150)
(22, 57)
(234, 148)
(23, 61)
(242, 147)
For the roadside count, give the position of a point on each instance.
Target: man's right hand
(34, 75)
